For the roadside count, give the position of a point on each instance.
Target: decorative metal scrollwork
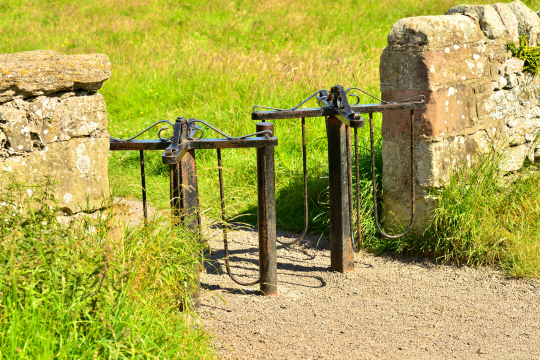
(193, 127)
(148, 128)
(327, 98)
(297, 106)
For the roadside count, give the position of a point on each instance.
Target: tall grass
(485, 218)
(482, 218)
(78, 292)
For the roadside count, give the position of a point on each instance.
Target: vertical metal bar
(222, 198)
(174, 198)
(355, 246)
(341, 252)
(357, 174)
(143, 183)
(304, 169)
(267, 215)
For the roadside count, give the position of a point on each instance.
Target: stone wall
(53, 122)
(478, 99)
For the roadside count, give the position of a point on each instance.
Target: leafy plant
(529, 54)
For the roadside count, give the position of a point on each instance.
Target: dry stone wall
(53, 122)
(478, 99)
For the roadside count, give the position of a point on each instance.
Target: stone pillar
(53, 122)
(478, 99)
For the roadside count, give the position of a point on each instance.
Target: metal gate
(340, 117)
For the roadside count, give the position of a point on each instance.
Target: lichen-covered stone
(42, 72)
(433, 161)
(478, 99)
(16, 126)
(436, 68)
(514, 157)
(489, 20)
(32, 124)
(511, 66)
(79, 165)
(3, 139)
(437, 30)
(76, 115)
(509, 20)
(53, 123)
(536, 156)
(528, 21)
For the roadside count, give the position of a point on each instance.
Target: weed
(529, 54)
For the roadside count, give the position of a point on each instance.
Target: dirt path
(387, 308)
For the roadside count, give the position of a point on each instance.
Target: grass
(483, 218)
(79, 291)
(214, 60)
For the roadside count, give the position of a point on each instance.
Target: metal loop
(368, 94)
(148, 128)
(357, 99)
(192, 129)
(304, 164)
(224, 228)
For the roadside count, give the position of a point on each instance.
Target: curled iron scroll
(148, 128)
(193, 127)
(297, 106)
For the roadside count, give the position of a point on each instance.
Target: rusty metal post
(174, 192)
(267, 215)
(143, 184)
(189, 204)
(341, 252)
(189, 196)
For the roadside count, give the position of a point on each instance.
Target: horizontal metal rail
(329, 111)
(202, 144)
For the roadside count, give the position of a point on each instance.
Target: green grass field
(214, 60)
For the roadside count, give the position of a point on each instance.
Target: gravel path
(387, 308)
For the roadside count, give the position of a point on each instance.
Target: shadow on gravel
(253, 290)
(212, 266)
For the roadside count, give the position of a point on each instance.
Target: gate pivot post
(266, 211)
(184, 190)
(341, 252)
